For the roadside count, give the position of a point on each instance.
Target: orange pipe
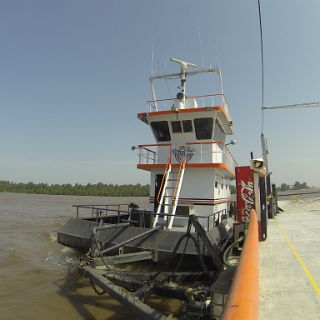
(163, 178)
(182, 165)
(243, 301)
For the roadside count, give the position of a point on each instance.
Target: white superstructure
(190, 165)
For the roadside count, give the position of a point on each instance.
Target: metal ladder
(168, 196)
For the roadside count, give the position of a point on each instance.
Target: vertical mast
(184, 66)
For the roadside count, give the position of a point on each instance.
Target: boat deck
(290, 263)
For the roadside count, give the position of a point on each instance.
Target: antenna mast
(184, 66)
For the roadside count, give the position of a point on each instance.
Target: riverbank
(98, 189)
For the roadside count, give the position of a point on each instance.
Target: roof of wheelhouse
(189, 107)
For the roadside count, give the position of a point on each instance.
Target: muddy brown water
(38, 278)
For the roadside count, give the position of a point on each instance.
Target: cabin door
(157, 185)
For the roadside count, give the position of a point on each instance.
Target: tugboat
(186, 231)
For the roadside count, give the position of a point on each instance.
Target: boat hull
(77, 234)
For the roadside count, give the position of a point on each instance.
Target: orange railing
(182, 166)
(243, 301)
(163, 179)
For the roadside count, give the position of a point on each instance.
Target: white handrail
(204, 153)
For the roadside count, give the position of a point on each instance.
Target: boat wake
(66, 257)
(52, 236)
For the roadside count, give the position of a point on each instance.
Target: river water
(38, 278)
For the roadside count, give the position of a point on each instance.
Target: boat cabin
(190, 164)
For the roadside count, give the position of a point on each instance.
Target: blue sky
(74, 74)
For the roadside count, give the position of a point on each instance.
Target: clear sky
(74, 74)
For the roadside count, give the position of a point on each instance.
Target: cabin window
(203, 128)
(219, 134)
(176, 126)
(187, 125)
(161, 130)
(179, 127)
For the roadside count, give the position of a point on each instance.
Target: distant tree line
(283, 187)
(296, 186)
(98, 189)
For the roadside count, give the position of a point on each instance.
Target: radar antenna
(184, 66)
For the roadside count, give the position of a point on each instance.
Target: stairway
(168, 196)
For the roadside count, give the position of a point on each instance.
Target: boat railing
(210, 152)
(194, 152)
(204, 101)
(230, 158)
(154, 153)
(101, 210)
(208, 221)
(97, 212)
